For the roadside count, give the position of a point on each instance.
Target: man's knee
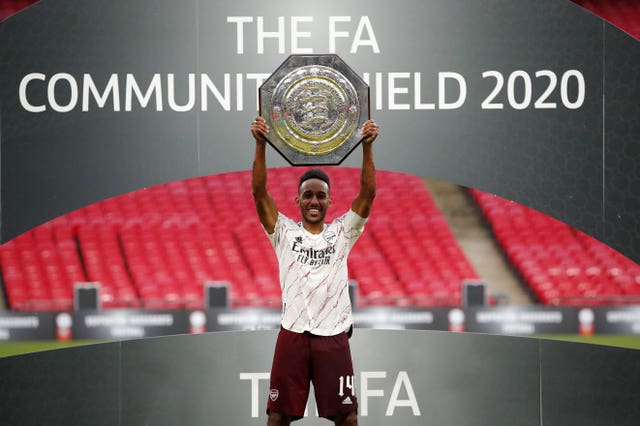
(348, 420)
(277, 419)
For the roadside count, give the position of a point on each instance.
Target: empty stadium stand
(157, 247)
(562, 265)
(625, 14)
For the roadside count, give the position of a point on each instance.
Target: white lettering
(73, 92)
(333, 33)
(19, 322)
(511, 89)
(89, 87)
(104, 320)
(151, 320)
(363, 25)
(238, 319)
(296, 34)
(278, 35)
(367, 393)
(551, 317)
(518, 328)
(206, 86)
(240, 21)
(259, 79)
(522, 99)
(22, 92)
(107, 320)
(255, 389)
(398, 90)
(127, 332)
(348, 385)
(417, 87)
(548, 317)
(401, 386)
(623, 316)
(403, 381)
(542, 103)
(131, 87)
(412, 317)
(393, 90)
(171, 93)
(462, 85)
(379, 91)
(239, 92)
(564, 89)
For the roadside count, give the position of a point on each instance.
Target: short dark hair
(314, 174)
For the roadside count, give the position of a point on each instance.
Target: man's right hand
(265, 205)
(259, 129)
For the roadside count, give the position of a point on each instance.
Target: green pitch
(632, 342)
(17, 348)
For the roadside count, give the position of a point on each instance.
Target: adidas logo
(347, 401)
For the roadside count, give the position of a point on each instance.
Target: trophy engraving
(314, 105)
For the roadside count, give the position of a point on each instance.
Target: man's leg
(333, 379)
(348, 420)
(289, 384)
(277, 419)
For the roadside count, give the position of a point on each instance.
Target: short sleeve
(353, 221)
(353, 226)
(278, 229)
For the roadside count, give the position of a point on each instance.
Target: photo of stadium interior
(155, 299)
(155, 247)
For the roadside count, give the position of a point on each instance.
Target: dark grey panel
(550, 159)
(622, 148)
(586, 385)
(75, 386)
(193, 379)
(458, 379)
(55, 162)
(407, 378)
(535, 156)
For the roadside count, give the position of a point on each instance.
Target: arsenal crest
(273, 394)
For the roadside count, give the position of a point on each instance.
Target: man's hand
(266, 207)
(361, 205)
(259, 129)
(369, 132)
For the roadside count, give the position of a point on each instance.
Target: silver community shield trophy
(315, 106)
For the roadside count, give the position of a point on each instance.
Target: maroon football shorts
(303, 357)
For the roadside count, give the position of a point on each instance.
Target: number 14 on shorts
(346, 382)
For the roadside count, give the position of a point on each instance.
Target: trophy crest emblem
(314, 106)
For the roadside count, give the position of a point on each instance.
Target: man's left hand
(369, 132)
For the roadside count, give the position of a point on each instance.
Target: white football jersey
(313, 273)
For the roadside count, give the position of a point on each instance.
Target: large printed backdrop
(533, 101)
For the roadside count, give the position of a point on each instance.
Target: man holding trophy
(316, 322)
(314, 110)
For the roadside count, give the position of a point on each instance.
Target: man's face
(313, 200)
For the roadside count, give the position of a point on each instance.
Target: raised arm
(265, 205)
(364, 200)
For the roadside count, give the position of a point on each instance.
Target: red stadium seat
(563, 266)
